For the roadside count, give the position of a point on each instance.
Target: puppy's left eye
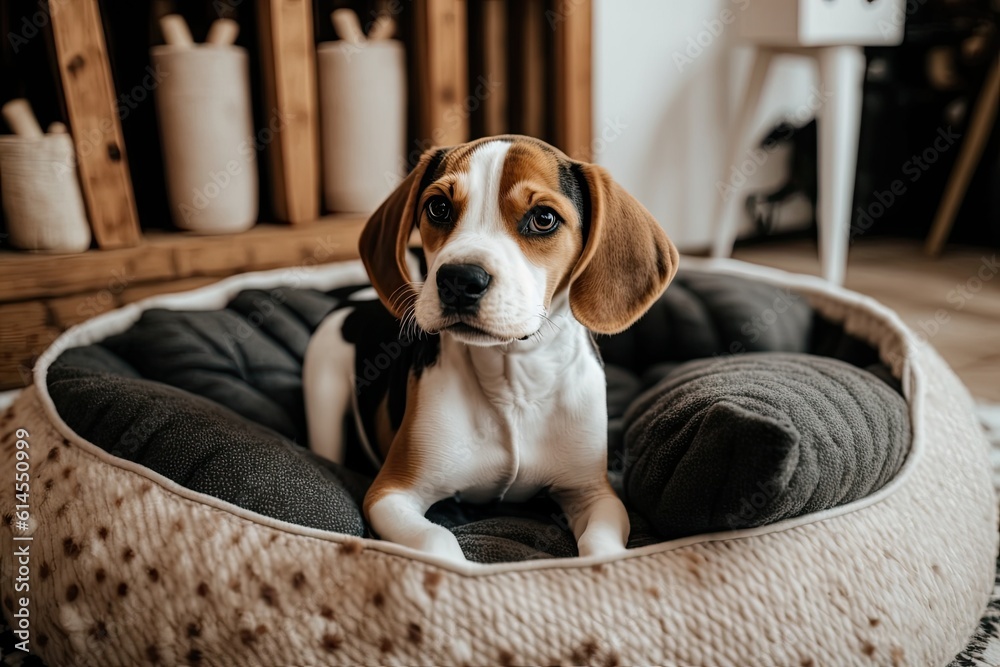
(439, 210)
(542, 221)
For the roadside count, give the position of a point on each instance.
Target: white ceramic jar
(362, 91)
(206, 129)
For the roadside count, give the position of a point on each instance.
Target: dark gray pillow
(202, 445)
(745, 441)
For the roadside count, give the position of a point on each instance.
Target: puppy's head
(508, 224)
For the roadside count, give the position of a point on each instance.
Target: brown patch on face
(530, 179)
(402, 465)
(453, 186)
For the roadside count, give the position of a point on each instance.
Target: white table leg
(841, 74)
(727, 209)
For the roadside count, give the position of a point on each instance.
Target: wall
(663, 103)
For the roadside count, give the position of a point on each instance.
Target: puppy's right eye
(439, 210)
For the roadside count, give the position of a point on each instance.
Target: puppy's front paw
(600, 542)
(440, 542)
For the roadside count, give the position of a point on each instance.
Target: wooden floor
(954, 300)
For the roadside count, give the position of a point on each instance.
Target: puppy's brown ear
(386, 235)
(627, 259)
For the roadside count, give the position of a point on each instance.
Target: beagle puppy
(494, 389)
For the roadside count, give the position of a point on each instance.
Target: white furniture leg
(727, 210)
(841, 74)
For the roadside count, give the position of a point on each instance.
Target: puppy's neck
(531, 369)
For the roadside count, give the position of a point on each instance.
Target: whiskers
(548, 322)
(404, 300)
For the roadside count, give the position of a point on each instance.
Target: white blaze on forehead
(482, 181)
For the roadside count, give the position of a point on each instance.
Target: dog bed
(122, 395)
(134, 566)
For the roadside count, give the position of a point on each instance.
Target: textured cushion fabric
(745, 441)
(705, 314)
(140, 570)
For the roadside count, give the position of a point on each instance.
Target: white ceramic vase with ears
(362, 92)
(41, 195)
(206, 129)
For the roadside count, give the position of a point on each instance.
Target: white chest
(509, 426)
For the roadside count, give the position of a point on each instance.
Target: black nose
(461, 286)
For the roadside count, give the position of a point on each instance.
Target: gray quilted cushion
(744, 441)
(203, 446)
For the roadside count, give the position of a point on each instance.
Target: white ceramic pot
(362, 92)
(206, 128)
(41, 195)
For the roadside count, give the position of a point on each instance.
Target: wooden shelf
(171, 255)
(42, 295)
